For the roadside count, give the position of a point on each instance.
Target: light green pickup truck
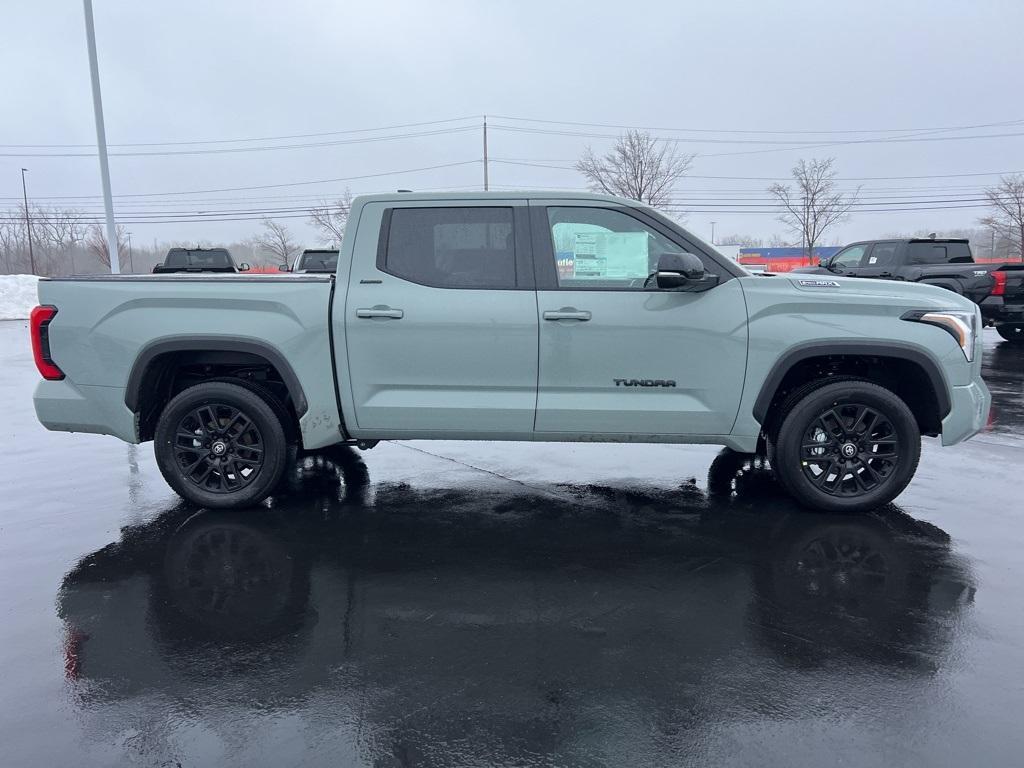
(501, 316)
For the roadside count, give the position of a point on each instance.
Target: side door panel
(646, 362)
(425, 359)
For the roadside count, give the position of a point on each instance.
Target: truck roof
(546, 194)
(909, 240)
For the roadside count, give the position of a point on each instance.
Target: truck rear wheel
(220, 445)
(850, 446)
(1013, 332)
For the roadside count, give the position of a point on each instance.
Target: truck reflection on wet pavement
(511, 624)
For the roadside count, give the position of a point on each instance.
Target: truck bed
(105, 323)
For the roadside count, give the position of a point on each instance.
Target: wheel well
(908, 379)
(168, 373)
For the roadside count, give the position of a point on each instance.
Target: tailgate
(1014, 293)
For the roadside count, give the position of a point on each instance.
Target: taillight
(39, 322)
(1000, 287)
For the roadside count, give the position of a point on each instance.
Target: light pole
(713, 232)
(101, 139)
(131, 260)
(28, 222)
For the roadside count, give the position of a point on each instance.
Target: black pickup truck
(198, 260)
(946, 263)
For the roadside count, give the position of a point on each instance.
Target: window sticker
(609, 256)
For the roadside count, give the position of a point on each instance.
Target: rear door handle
(383, 312)
(567, 313)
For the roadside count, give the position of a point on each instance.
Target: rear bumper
(996, 309)
(62, 406)
(968, 414)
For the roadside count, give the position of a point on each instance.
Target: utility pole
(131, 260)
(28, 223)
(713, 232)
(485, 154)
(101, 139)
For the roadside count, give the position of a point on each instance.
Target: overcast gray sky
(214, 70)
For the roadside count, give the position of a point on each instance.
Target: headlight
(958, 323)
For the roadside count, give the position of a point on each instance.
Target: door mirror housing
(683, 272)
(282, 268)
(243, 267)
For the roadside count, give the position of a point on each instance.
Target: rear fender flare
(166, 345)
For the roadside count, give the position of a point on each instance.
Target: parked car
(199, 260)
(514, 316)
(946, 263)
(316, 260)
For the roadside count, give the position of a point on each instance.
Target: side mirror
(243, 267)
(681, 271)
(282, 268)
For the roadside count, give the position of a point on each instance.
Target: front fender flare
(892, 349)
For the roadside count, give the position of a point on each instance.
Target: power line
(266, 148)
(252, 138)
(788, 178)
(270, 186)
(756, 131)
(790, 144)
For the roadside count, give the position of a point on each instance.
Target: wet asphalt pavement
(461, 604)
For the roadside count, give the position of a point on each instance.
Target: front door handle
(567, 313)
(382, 312)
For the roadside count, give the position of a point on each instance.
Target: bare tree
(330, 218)
(96, 242)
(639, 167)
(744, 241)
(278, 241)
(1007, 202)
(816, 204)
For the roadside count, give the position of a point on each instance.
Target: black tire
(220, 445)
(1012, 332)
(848, 446)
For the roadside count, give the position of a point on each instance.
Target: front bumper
(968, 414)
(62, 406)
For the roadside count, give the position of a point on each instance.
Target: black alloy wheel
(846, 446)
(218, 448)
(220, 444)
(849, 449)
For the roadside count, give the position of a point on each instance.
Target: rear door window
(452, 247)
(883, 255)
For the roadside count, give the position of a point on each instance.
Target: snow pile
(18, 294)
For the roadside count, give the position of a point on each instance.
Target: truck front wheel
(220, 445)
(850, 446)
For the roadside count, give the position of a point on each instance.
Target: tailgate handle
(386, 313)
(567, 313)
